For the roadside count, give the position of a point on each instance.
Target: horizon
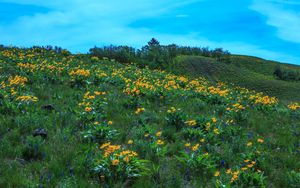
(266, 29)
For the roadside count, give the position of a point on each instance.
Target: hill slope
(250, 72)
(80, 121)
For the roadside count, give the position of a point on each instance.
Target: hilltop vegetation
(252, 73)
(88, 121)
(272, 78)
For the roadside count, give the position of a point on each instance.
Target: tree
(278, 72)
(123, 54)
(286, 74)
(153, 42)
(152, 52)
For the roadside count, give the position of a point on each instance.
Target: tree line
(155, 55)
(286, 74)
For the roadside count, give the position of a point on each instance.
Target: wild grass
(177, 131)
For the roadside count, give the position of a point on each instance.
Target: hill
(83, 121)
(245, 71)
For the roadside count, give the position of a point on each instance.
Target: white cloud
(285, 20)
(70, 23)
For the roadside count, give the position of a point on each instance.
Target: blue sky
(265, 28)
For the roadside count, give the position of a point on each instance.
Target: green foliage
(252, 179)
(115, 125)
(196, 161)
(34, 148)
(293, 179)
(176, 118)
(122, 54)
(285, 74)
(98, 133)
(244, 71)
(114, 163)
(156, 56)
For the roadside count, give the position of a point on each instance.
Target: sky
(268, 29)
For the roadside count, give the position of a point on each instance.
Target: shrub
(285, 74)
(175, 118)
(98, 133)
(293, 179)
(34, 148)
(114, 163)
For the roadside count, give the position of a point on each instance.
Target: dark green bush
(34, 148)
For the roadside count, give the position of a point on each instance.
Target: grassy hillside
(259, 65)
(80, 121)
(250, 72)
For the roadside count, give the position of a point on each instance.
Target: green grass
(245, 71)
(67, 159)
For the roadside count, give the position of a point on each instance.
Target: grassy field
(80, 121)
(245, 71)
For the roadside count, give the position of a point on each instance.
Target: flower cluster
(259, 98)
(27, 98)
(194, 123)
(17, 80)
(80, 72)
(294, 106)
(116, 162)
(139, 110)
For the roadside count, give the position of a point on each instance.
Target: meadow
(244, 71)
(77, 120)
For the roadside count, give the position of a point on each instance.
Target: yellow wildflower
(115, 162)
(126, 159)
(17, 80)
(228, 171)
(217, 173)
(130, 142)
(214, 120)
(88, 109)
(207, 126)
(27, 99)
(104, 145)
(191, 122)
(159, 142)
(294, 106)
(216, 131)
(139, 110)
(187, 144)
(235, 176)
(172, 110)
(158, 134)
(260, 140)
(80, 72)
(195, 147)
